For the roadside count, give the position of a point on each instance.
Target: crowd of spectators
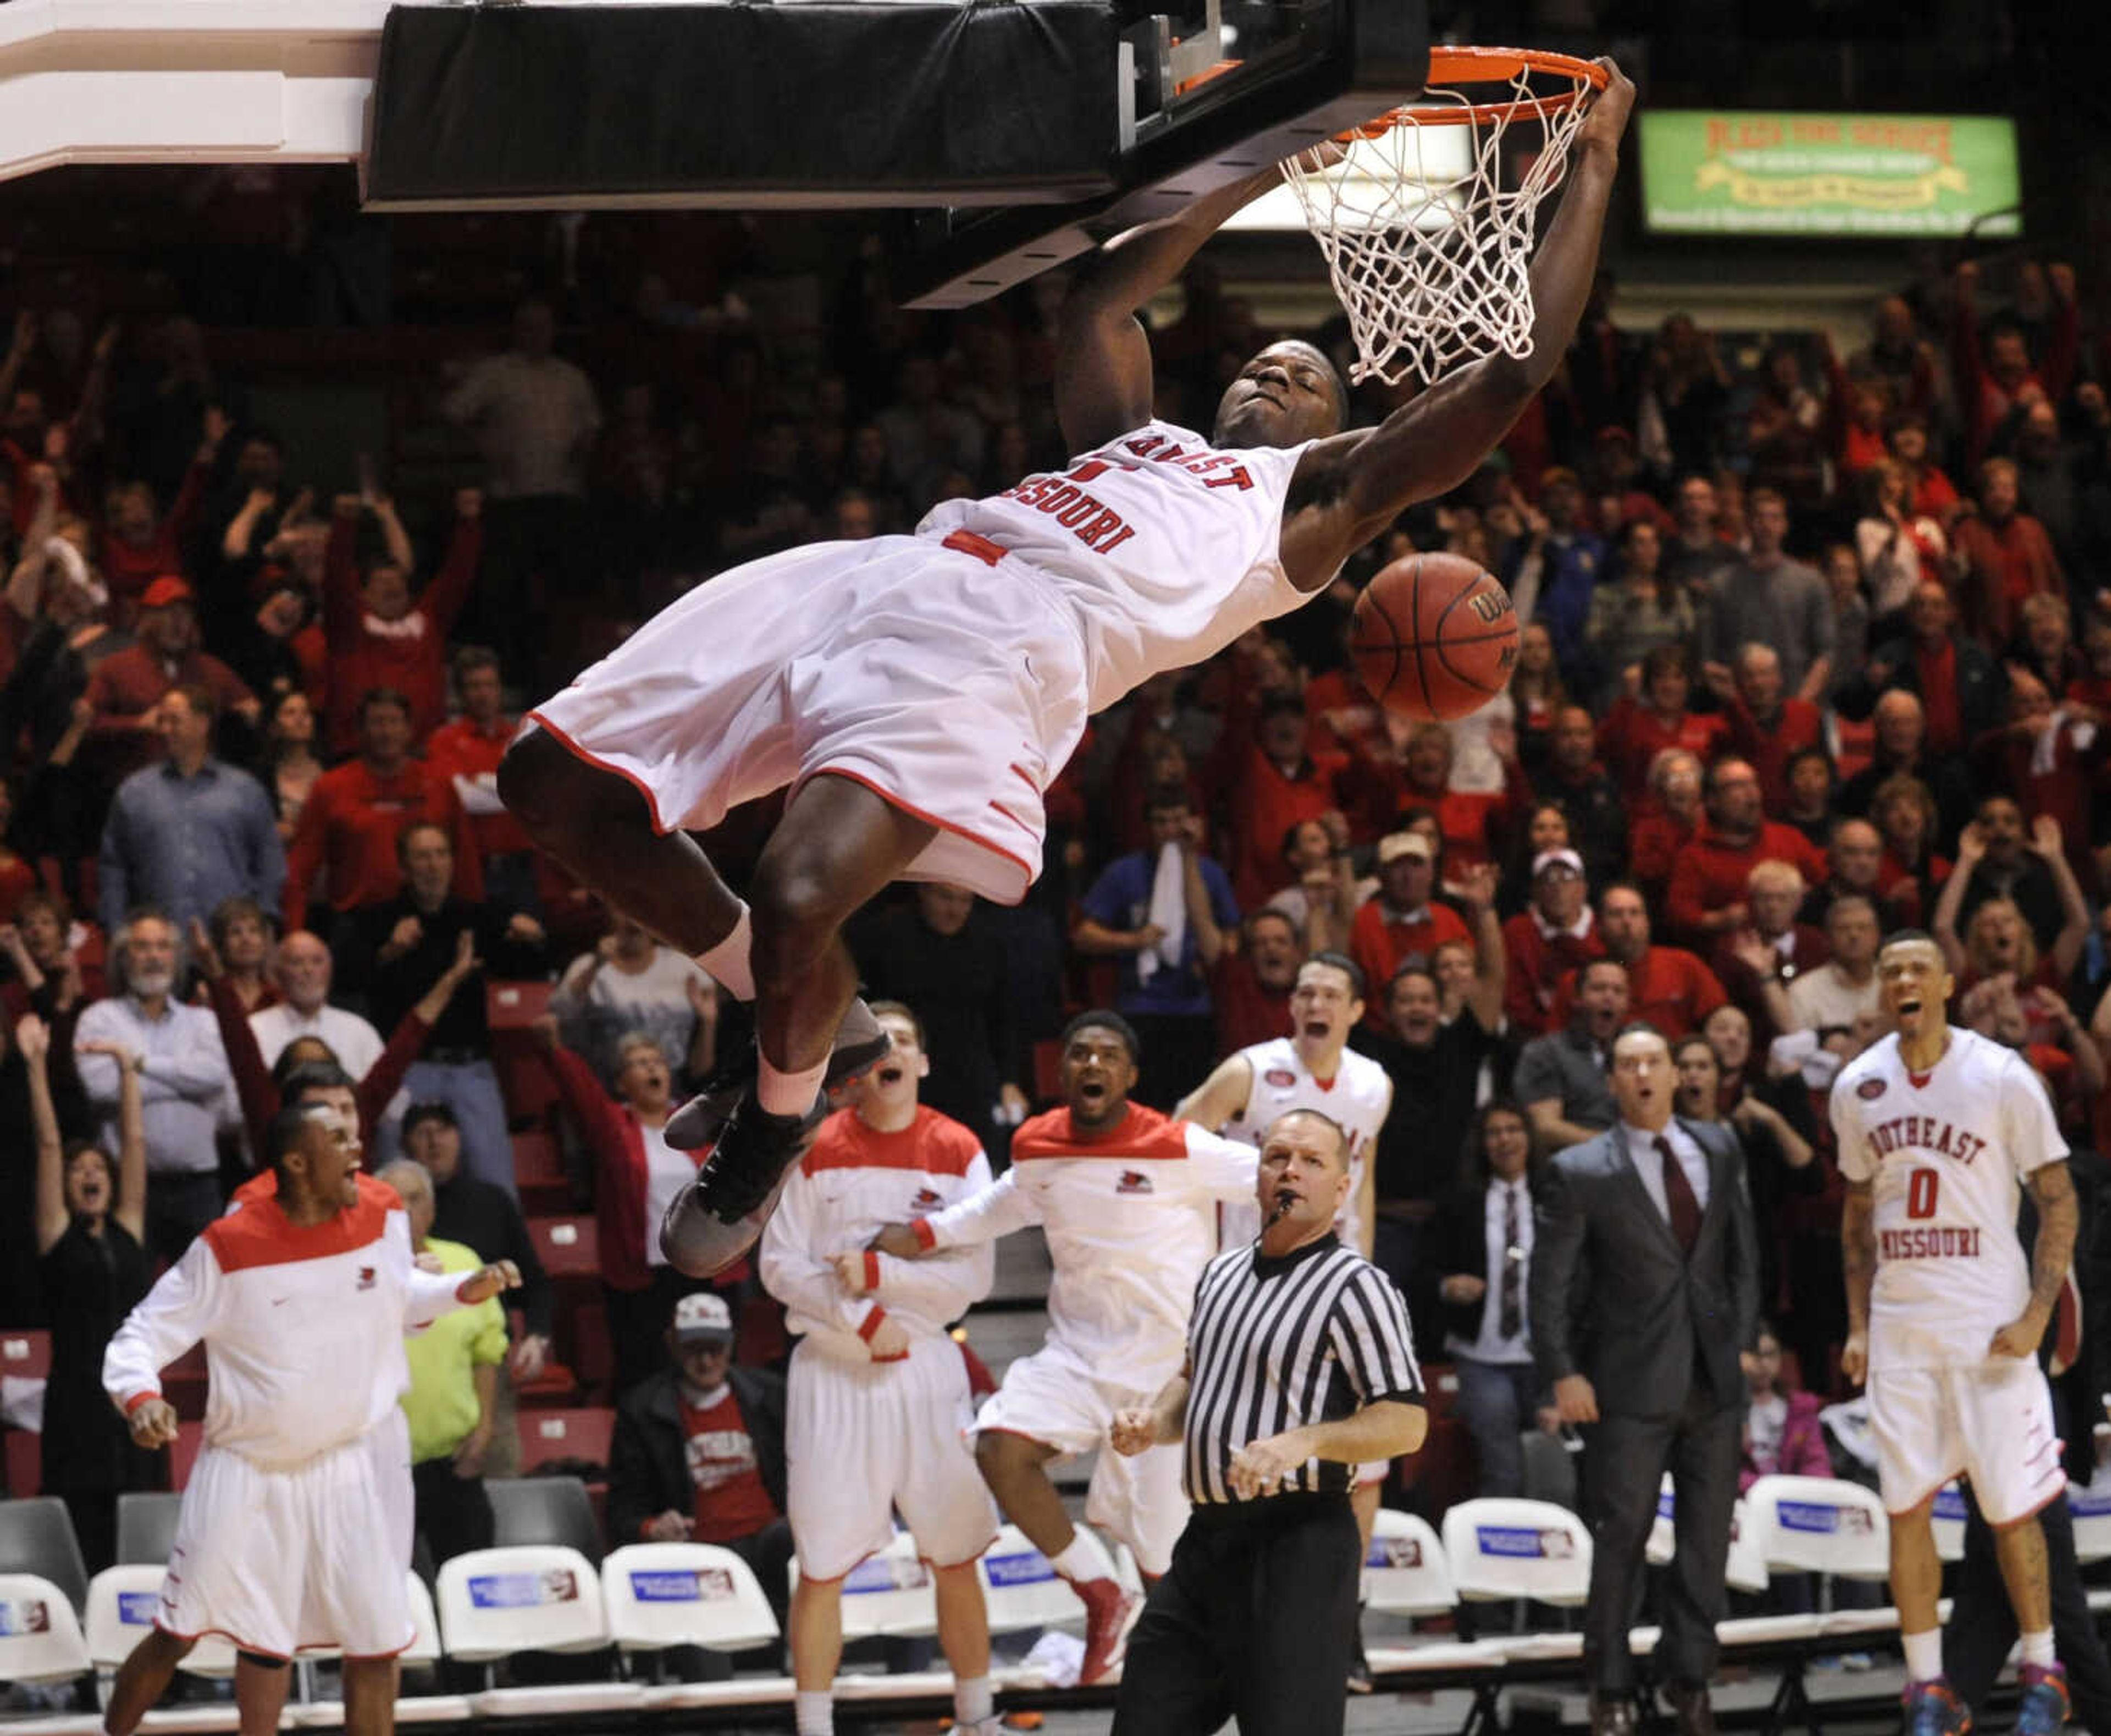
(1815, 646)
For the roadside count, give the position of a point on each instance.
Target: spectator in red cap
(125, 689)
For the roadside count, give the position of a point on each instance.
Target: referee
(1300, 1367)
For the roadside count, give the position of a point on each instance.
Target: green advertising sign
(1748, 172)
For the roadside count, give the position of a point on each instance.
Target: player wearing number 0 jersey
(1939, 1129)
(878, 1412)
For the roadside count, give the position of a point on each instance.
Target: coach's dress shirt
(1649, 1164)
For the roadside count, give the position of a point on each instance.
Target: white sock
(974, 1701)
(2037, 1649)
(814, 1713)
(727, 962)
(1923, 1655)
(1077, 1562)
(787, 1093)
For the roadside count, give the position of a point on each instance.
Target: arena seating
(659, 1595)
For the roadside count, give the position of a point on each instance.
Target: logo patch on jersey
(366, 1278)
(1134, 1181)
(1281, 1078)
(928, 1199)
(1870, 1089)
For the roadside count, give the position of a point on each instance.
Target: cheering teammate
(1129, 1199)
(296, 1527)
(1937, 1128)
(878, 1409)
(917, 694)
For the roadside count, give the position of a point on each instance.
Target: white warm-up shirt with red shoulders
(302, 1327)
(1945, 1153)
(853, 1182)
(1131, 1220)
(1165, 549)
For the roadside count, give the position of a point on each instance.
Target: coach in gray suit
(1645, 1293)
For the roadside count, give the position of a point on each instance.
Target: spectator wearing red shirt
(1401, 924)
(1670, 822)
(2006, 555)
(355, 813)
(1555, 933)
(1640, 726)
(1767, 727)
(1467, 819)
(1909, 872)
(2048, 759)
(1707, 892)
(1932, 493)
(125, 689)
(1773, 894)
(1279, 785)
(379, 633)
(1992, 383)
(466, 752)
(1668, 986)
(698, 1454)
(1251, 989)
(140, 543)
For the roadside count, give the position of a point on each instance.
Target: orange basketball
(1433, 637)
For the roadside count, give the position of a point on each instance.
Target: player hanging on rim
(917, 693)
(1937, 1126)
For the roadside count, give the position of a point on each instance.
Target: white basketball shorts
(1054, 1397)
(1991, 1421)
(952, 688)
(861, 1437)
(316, 1556)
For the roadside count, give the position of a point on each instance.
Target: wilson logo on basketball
(1134, 1181)
(1490, 605)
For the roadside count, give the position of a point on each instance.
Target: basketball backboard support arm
(1195, 112)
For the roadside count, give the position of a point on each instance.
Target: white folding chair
(1820, 1525)
(1501, 1548)
(1664, 1534)
(887, 1596)
(2091, 1514)
(122, 1602)
(1405, 1572)
(40, 1638)
(1947, 1521)
(1746, 1568)
(530, 1598)
(659, 1595)
(1023, 1591)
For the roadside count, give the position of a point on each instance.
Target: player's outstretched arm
(1103, 378)
(1348, 489)
(1219, 1098)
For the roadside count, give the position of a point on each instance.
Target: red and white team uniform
(1355, 1099)
(1945, 1153)
(1131, 1221)
(862, 1436)
(952, 670)
(296, 1527)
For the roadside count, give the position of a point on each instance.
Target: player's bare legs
(370, 1696)
(260, 1696)
(1011, 1465)
(814, 1629)
(1916, 1569)
(2021, 1550)
(142, 1679)
(963, 1620)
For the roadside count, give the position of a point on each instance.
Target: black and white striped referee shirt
(1277, 1344)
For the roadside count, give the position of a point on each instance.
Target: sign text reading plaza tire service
(1756, 172)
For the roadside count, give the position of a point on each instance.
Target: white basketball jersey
(1946, 1152)
(1166, 549)
(1356, 1099)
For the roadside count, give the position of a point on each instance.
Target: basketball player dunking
(1313, 1068)
(917, 693)
(1937, 1127)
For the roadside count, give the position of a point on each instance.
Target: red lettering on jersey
(1085, 472)
(1171, 455)
(1941, 1146)
(1105, 525)
(1058, 498)
(1238, 479)
(1144, 448)
(1116, 541)
(1084, 507)
(1029, 491)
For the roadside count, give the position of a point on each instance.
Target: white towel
(1168, 912)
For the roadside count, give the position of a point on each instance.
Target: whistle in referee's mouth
(1284, 1200)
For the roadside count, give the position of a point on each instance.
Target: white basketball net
(1428, 251)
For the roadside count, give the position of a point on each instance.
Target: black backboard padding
(811, 103)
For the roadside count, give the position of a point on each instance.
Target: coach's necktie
(1678, 1196)
(1513, 1285)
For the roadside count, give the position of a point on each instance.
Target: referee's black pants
(1255, 1618)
